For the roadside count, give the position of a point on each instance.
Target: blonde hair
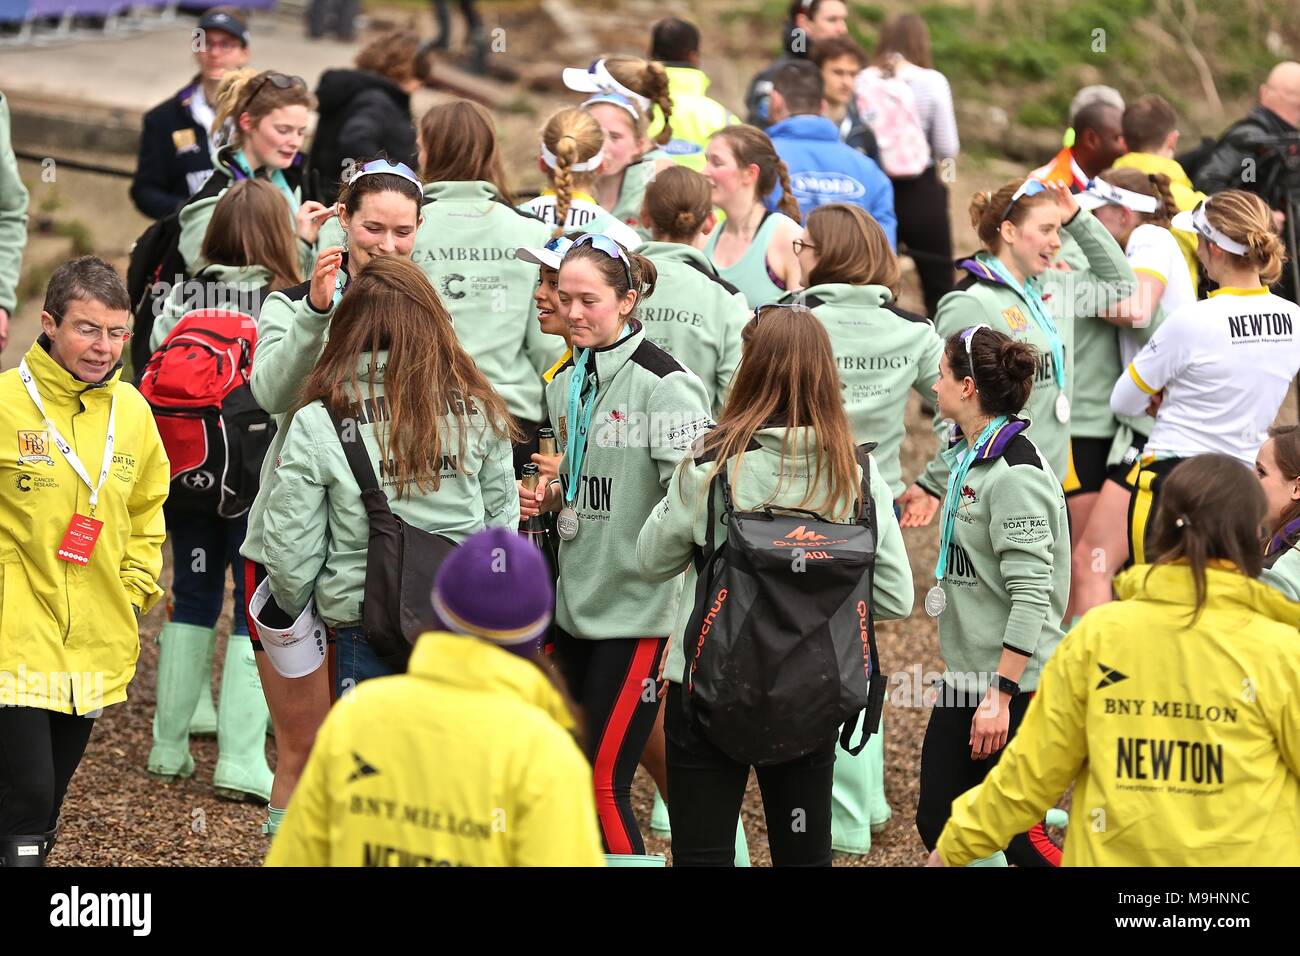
(650, 79)
(1246, 218)
(248, 91)
(573, 136)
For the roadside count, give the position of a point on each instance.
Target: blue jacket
(824, 170)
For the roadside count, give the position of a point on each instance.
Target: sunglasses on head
(1030, 187)
(559, 245)
(607, 246)
(761, 310)
(280, 81)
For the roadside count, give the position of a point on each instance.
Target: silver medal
(935, 601)
(1062, 408)
(567, 523)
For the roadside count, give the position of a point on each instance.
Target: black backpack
(781, 647)
(401, 562)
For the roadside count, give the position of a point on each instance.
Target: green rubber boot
(183, 669)
(242, 772)
(858, 805)
(633, 859)
(204, 721)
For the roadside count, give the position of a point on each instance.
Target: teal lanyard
(1029, 293)
(580, 410)
(277, 179)
(956, 481)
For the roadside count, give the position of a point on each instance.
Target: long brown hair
(573, 136)
(460, 146)
(907, 35)
(248, 91)
(249, 228)
(751, 146)
(851, 247)
(390, 306)
(1211, 508)
(788, 375)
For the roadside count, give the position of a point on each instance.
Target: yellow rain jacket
(1183, 742)
(465, 760)
(68, 634)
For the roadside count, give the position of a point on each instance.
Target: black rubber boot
(23, 850)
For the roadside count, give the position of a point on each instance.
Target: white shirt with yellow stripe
(1226, 363)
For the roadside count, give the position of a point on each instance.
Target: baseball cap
(549, 255)
(227, 20)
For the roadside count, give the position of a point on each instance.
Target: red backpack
(215, 433)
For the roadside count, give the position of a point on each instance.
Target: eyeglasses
(801, 244)
(280, 81)
(970, 359)
(1030, 187)
(93, 333)
(607, 246)
(389, 166)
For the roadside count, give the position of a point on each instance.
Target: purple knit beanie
(496, 586)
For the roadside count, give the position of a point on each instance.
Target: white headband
(1110, 193)
(553, 161)
(1201, 223)
(598, 79)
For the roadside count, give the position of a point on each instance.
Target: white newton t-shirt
(1227, 363)
(584, 216)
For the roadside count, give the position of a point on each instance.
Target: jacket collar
(472, 664)
(843, 294)
(1285, 538)
(677, 252)
(470, 189)
(686, 81)
(1173, 584)
(805, 126)
(57, 384)
(975, 266)
(1153, 163)
(997, 444)
(608, 361)
(1270, 120)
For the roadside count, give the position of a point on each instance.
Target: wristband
(1007, 685)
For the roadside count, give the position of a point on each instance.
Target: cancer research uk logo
(819, 187)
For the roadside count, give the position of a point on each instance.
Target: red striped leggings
(613, 681)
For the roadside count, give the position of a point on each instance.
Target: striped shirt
(934, 107)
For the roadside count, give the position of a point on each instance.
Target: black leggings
(706, 789)
(947, 771)
(613, 681)
(924, 233)
(39, 752)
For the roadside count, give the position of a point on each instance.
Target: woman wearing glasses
(1003, 573)
(261, 121)
(252, 252)
(625, 412)
(1015, 285)
(379, 214)
(1216, 371)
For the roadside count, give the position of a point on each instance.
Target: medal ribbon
(1037, 310)
(952, 499)
(580, 411)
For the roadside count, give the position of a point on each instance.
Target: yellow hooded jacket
(1183, 742)
(465, 760)
(68, 634)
